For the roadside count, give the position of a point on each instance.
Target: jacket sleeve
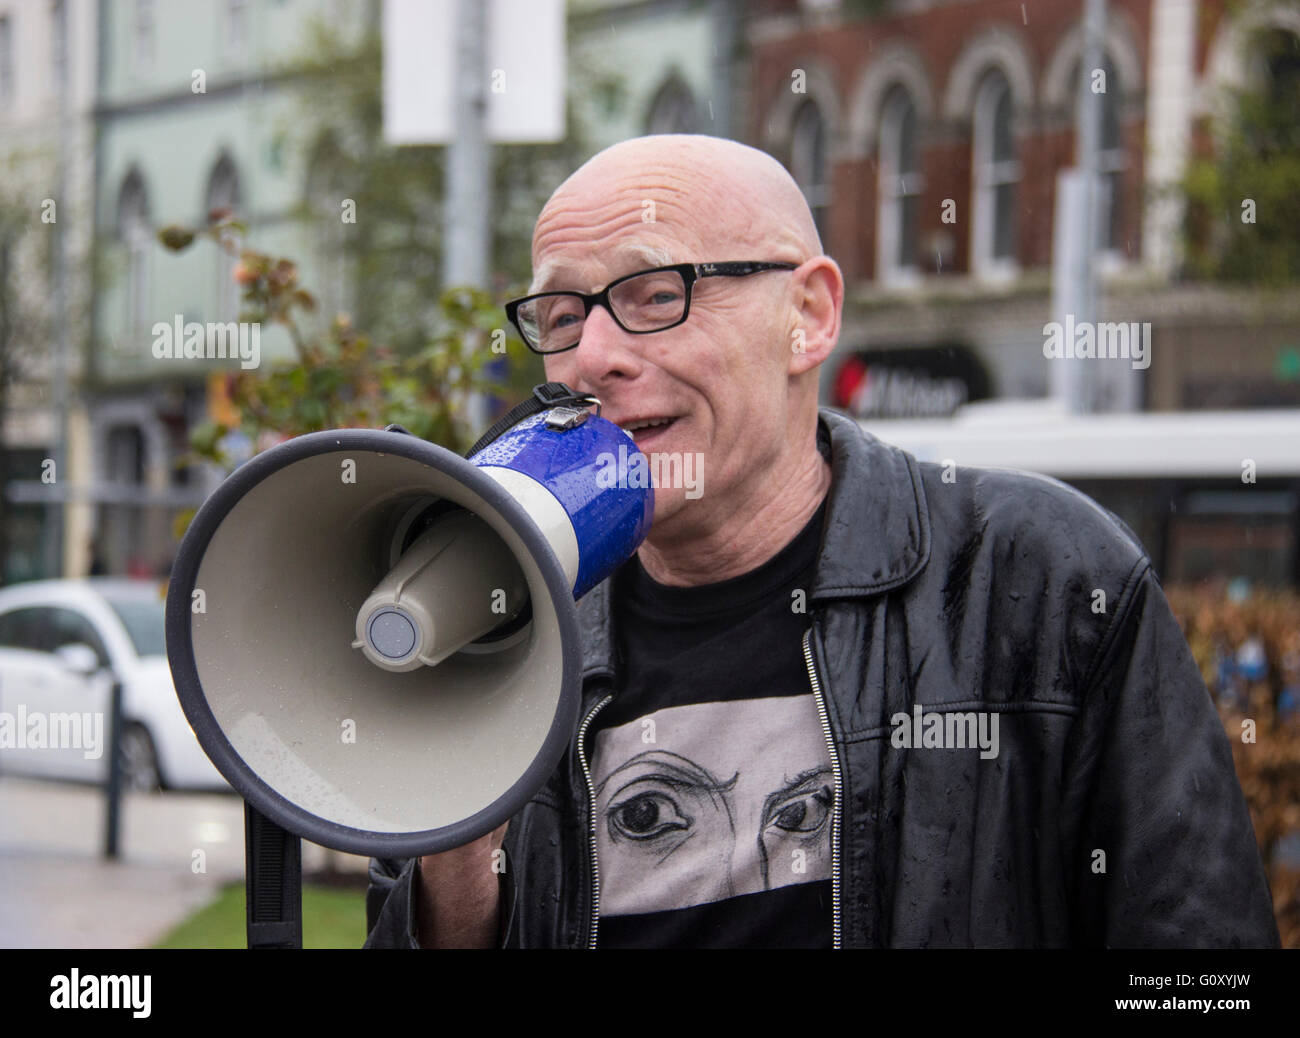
(1154, 790)
(390, 903)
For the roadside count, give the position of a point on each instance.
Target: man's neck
(748, 536)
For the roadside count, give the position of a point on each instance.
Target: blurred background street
(57, 891)
(1068, 230)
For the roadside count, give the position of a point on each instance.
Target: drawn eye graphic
(804, 812)
(645, 816)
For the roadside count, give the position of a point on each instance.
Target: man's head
(738, 377)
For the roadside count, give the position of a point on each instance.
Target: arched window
(673, 109)
(808, 163)
(1276, 57)
(144, 32)
(1111, 162)
(124, 455)
(901, 183)
(223, 194)
(996, 174)
(1103, 87)
(325, 194)
(136, 234)
(236, 25)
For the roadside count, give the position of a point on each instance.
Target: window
(133, 229)
(808, 161)
(1282, 54)
(1269, 124)
(901, 184)
(1111, 157)
(25, 629)
(1230, 535)
(325, 192)
(58, 47)
(124, 455)
(236, 24)
(47, 628)
(69, 627)
(1111, 161)
(6, 60)
(673, 110)
(223, 193)
(996, 179)
(145, 624)
(143, 29)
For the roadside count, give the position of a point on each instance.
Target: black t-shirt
(714, 788)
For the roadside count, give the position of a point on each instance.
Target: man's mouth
(643, 430)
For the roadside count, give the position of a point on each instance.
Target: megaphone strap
(545, 396)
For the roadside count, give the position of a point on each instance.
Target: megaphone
(375, 639)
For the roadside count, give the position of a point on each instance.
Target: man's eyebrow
(629, 258)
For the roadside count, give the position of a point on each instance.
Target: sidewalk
(57, 892)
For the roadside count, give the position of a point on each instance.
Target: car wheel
(139, 760)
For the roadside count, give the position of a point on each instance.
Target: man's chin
(669, 505)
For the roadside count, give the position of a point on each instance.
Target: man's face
(720, 378)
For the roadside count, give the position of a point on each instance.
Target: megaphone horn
(375, 640)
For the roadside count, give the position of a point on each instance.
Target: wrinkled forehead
(591, 270)
(590, 234)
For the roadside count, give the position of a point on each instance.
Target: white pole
(468, 187)
(1076, 236)
(55, 548)
(1090, 112)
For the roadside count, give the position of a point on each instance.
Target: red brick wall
(939, 36)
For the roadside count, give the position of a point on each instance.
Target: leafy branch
(339, 378)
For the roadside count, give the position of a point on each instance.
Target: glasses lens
(650, 301)
(551, 323)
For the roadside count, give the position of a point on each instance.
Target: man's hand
(456, 900)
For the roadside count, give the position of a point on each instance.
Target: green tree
(1244, 199)
(424, 349)
(394, 249)
(340, 377)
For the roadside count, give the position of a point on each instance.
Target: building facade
(196, 112)
(935, 141)
(676, 66)
(47, 98)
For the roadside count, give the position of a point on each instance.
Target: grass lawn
(331, 918)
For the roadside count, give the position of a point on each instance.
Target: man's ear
(819, 303)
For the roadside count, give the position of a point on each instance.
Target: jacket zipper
(835, 767)
(591, 815)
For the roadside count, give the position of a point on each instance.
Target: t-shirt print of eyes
(736, 797)
(668, 800)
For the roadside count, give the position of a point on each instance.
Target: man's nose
(605, 351)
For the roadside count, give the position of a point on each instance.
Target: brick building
(930, 137)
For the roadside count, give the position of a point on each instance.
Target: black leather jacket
(1111, 815)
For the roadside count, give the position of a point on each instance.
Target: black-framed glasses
(647, 301)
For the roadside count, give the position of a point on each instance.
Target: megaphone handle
(272, 882)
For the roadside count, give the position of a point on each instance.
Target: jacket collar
(876, 536)
(877, 533)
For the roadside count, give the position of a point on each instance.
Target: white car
(61, 644)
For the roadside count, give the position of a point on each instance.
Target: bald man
(839, 697)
